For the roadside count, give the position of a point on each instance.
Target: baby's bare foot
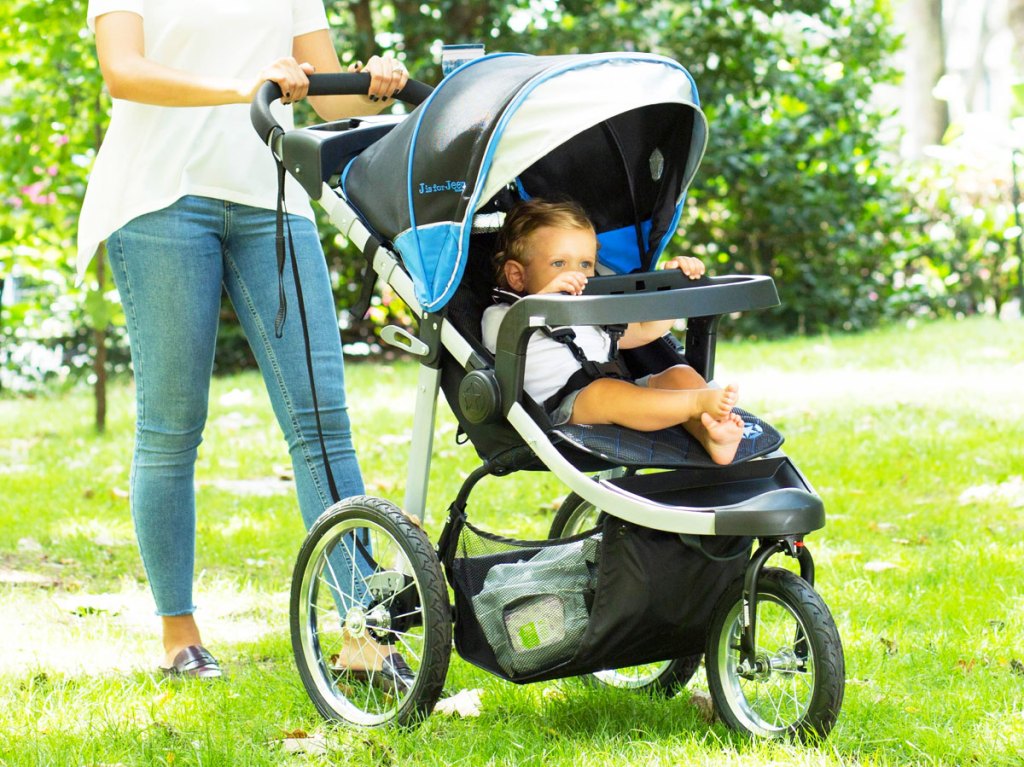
(723, 438)
(718, 403)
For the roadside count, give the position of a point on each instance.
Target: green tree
(54, 114)
(795, 182)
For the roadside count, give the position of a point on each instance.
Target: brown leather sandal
(194, 661)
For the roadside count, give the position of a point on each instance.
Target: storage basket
(618, 595)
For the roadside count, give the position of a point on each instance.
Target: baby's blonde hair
(525, 219)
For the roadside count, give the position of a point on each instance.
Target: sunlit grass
(911, 436)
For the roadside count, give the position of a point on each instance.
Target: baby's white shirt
(549, 364)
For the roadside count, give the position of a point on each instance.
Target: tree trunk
(1015, 20)
(365, 41)
(100, 334)
(925, 117)
(462, 24)
(100, 339)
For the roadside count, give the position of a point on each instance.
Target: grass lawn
(911, 435)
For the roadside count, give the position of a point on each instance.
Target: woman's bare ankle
(361, 655)
(179, 632)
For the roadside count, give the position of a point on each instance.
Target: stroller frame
(765, 497)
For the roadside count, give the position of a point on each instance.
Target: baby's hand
(688, 265)
(572, 283)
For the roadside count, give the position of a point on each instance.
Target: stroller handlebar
(334, 84)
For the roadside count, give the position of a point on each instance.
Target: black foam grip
(334, 84)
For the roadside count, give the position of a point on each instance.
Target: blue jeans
(170, 267)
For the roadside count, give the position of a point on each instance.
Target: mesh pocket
(522, 606)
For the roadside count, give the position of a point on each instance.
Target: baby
(551, 247)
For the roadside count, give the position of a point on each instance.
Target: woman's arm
(120, 45)
(387, 77)
(128, 74)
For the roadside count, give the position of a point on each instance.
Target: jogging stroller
(650, 563)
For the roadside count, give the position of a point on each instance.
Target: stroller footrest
(777, 512)
(763, 497)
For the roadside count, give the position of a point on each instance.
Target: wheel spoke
(329, 612)
(406, 615)
(407, 647)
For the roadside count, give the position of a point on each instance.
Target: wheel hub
(355, 622)
(760, 671)
(786, 660)
(379, 617)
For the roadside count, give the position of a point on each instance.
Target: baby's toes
(732, 393)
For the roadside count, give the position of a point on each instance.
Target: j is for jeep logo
(447, 186)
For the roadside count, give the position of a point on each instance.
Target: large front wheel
(367, 584)
(795, 684)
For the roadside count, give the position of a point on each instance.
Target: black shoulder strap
(590, 370)
(502, 296)
(567, 337)
(282, 313)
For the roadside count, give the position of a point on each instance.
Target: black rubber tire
(789, 611)
(576, 515)
(416, 613)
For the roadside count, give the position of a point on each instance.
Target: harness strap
(282, 313)
(282, 299)
(589, 370)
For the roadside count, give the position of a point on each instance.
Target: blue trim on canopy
(439, 240)
(523, 194)
(693, 86)
(413, 143)
(359, 214)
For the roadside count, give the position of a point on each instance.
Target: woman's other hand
(387, 77)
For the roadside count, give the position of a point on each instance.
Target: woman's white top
(154, 155)
(549, 364)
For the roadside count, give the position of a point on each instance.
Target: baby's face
(551, 250)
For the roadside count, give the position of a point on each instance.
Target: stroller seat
(666, 449)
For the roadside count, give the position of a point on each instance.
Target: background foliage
(52, 121)
(798, 181)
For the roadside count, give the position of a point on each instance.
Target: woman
(184, 193)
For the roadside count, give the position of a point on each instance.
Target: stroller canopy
(622, 134)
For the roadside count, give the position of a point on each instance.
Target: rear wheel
(394, 595)
(795, 686)
(577, 515)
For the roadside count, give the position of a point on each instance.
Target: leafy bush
(796, 182)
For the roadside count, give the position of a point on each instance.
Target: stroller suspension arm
(792, 546)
